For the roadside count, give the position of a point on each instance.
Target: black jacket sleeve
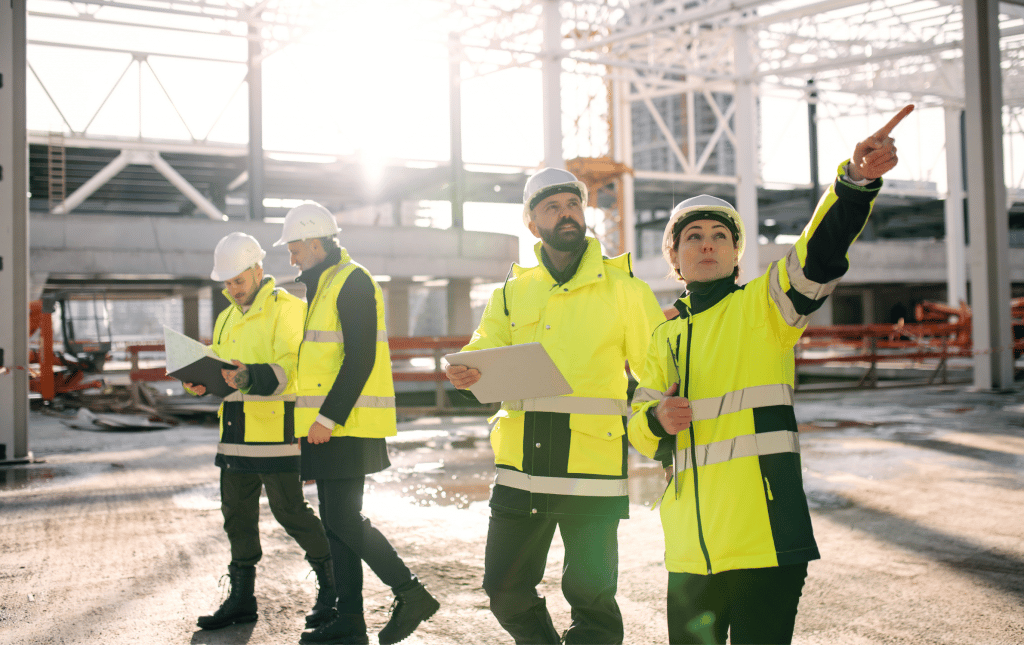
(357, 312)
(263, 380)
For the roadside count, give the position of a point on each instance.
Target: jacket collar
(266, 287)
(311, 276)
(701, 296)
(591, 267)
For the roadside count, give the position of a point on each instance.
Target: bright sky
(352, 89)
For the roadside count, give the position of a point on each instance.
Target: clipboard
(513, 372)
(190, 361)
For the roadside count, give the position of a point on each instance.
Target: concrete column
(745, 120)
(622, 137)
(190, 313)
(956, 252)
(460, 308)
(551, 85)
(986, 190)
(396, 308)
(13, 235)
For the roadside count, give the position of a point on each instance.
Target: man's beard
(566, 240)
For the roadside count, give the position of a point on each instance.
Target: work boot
(240, 605)
(345, 629)
(413, 604)
(323, 611)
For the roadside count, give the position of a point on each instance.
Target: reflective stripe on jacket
(321, 356)
(591, 326)
(737, 500)
(260, 437)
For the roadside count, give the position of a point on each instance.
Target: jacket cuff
(652, 422)
(263, 380)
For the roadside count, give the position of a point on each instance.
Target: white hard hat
(703, 207)
(546, 182)
(307, 221)
(235, 253)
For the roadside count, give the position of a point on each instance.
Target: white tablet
(513, 372)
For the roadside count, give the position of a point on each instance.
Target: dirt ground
(916, 500)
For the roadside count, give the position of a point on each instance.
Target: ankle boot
(326, 595)
(240, 605)
(345, 629)
(413, 604)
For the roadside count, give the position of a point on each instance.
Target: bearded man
(561, 460)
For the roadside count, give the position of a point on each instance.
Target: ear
(533, 228)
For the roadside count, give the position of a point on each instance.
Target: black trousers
(514, 561)
(353, 541)
(240, 505)
(751, 606)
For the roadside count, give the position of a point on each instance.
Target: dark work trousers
(354, 541)
(514, 561)
(240, 504)
(754, 606)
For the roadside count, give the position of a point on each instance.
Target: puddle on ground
(22, 477)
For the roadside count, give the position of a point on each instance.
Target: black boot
(532, 627)
(413, 605)
(323, 611)
(346, 629)
(240, 605)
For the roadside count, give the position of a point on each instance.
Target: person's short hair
(329, 242)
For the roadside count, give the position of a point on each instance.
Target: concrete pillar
(190, 313)
(986, 191)
(622, 138)
(460, 307)
(551, 85)
(13, 235)
(956, 252)
(745, 120)
(396, 308)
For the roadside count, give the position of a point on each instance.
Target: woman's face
(706, 251)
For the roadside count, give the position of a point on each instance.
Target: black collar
(566, 274)
(311, 276)
(705, 295)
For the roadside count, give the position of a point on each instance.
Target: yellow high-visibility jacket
(567, 454)
(257, 430)
(737, 498)
(322, 353)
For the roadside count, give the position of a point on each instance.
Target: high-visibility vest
(321, 356)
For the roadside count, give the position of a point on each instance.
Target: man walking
(561, 460)
(260, 333)
(345, 408)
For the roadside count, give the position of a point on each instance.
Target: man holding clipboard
(561, 458)
(260, 332)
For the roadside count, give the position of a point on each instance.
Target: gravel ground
(916, 500)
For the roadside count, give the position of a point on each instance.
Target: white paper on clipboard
(513, 372)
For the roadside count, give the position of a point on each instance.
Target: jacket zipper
(693, 445)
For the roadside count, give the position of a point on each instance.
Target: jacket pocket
(523, 322)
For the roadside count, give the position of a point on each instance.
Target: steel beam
(255, 79)
(94, 183)
(458, 179)
(551, 85)
(746, 146)
(187, 189)
(13, 235)
(986, 192)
